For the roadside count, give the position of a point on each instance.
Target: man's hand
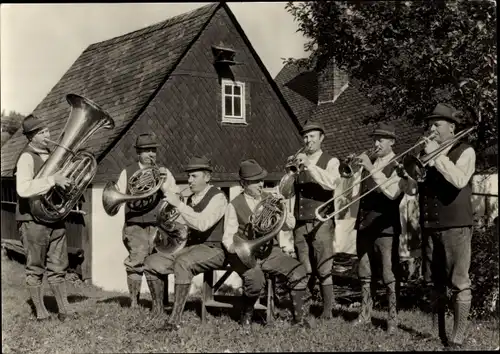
(364, 161)
(172, 198)
(430, 146)
(303, 160)
(61, 181)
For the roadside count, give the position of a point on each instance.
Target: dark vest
(23, 211)
(377, 212)
(243, 213)
(309, 195)
(213, 235)
(441, 204)
(151, 207)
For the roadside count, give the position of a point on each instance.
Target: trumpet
(326, 204)
(292, 168)
(349, 166)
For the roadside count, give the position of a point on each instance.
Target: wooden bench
(209, 288)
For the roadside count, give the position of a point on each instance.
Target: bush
(484, 272)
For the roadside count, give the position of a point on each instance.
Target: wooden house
(197, 82)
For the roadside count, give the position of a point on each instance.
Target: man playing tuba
(140, 217)
(45, 245)
(202, 213)
(272, 260)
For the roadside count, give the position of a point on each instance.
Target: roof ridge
(155, 27)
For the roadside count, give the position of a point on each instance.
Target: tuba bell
(79, 166)
(143, 186)
(266, 221)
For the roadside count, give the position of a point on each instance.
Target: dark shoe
(36, 294)
(181, 295)
(134, 288)
(461, 312)
(156, 288)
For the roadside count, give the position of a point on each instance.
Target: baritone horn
(266, 221)
(79, 166)
(328, 203)
(142, 186)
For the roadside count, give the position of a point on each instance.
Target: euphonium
(143, 185)
(79, 166)
(349, 166)
(266, 221)
(292, 169)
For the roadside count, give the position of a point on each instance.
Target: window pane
(228, 89)
(237, 90)
(229, 106)
(237, 106)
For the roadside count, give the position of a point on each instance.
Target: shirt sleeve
(122, 182)
(208, 217)
(459, 173)
(328, 178)
(26, 186)
(230, 228)
(391, 188)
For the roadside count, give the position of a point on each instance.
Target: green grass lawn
(106, 326)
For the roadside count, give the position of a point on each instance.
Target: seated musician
(203, 214)
(140, 223)
(272, 259)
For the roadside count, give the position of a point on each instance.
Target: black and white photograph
(249, 177)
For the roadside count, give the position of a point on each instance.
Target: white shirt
(231, 221)
(26, 186)
(209, 216)
(327, 178)
(392, 188)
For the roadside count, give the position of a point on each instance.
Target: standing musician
(45, 245)
(378, 224)
(446, 222)
(272, 260)
(140, 223)
(203, 214)
(313, 239)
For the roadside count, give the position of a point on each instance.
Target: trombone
(332, 200)
(349, 166)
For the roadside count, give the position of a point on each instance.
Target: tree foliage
(410, 55)
(10, 123)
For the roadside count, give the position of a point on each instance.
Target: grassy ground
(106, 326)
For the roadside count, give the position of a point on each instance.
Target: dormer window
(233, 102)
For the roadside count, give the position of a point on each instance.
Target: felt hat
(311, 125)
(145, 141)
(32, 123)
(385, 129)
(446, 112)
(199, 163)
(250, 170)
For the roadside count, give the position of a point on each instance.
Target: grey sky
(39, 42)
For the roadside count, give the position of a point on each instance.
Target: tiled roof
(121, 75)
(343, 119)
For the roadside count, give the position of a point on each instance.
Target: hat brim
(261, 175)
(146, 146)
(36, 128)
(449, 119)
(310, 130)
(193, 168)
(384, 135)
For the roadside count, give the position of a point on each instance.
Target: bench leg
(207, 293)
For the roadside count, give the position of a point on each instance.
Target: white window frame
(228, 118)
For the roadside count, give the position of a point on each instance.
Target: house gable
(186, 112)
(121, 75)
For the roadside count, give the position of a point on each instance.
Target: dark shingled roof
(343, 119)
(120, 74)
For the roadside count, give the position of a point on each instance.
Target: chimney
(331, 83)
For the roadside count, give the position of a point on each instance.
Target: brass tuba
(171, 235)
(266, 221)
(143, 185)
(79, 166)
